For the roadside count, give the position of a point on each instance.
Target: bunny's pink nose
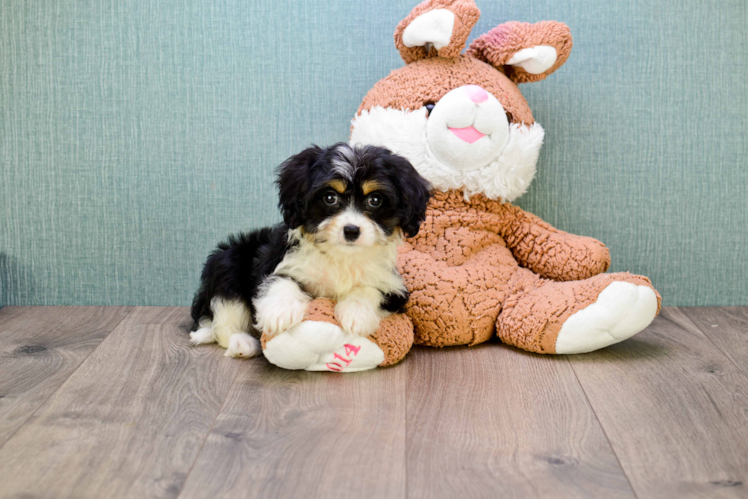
(476, 93)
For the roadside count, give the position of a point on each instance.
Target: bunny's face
(461, 120)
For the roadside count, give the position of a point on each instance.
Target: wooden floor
(113, 402)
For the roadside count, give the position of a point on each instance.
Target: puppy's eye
(429, 108)
(374, 201)
(330, 199)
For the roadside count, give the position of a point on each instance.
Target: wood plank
(129, 422)
(727, 328)
(40, 348)
(300, 434)
(493, 421)
(674, 408)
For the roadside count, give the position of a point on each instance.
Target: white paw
(202, 336)
(320, 346)
(243, 345)
(621, 310)
(357, 316)
(281, 307)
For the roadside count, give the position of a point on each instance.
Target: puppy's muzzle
(351, 233)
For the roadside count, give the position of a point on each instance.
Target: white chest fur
(333, 272)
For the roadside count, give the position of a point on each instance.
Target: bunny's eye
(429, 108)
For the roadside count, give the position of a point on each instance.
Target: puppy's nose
(351, 232)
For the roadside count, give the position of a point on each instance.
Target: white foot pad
(320, 346)
(621, 310)
(243, 345)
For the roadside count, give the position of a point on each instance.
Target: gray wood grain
(299, 434)
(144, 414)
(727, 328)
(493, 421)
(40, 348)
(674, 408)
(129, 422)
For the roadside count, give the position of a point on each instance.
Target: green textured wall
(136, 134)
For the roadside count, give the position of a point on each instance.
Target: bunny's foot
(578, 316)
(320, 344)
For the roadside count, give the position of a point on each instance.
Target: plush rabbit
(479, 264)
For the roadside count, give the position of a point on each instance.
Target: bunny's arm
(547, 251)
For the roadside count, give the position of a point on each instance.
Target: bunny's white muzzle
(465, 143)
(467, 128)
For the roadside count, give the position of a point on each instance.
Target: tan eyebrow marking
(369, 186)
(338, 185)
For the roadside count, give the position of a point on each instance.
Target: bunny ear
(524, 52)
(436, 28)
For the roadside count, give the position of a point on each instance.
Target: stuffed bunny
(479, 264)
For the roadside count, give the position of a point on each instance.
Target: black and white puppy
(345, 211)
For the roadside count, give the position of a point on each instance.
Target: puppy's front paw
(277, 314)
(356, 316)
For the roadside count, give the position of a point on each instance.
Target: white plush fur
(279, 305)
(620, 311)
(321, 346)
(535, 60)
(405, 132)
(457, 110)
(434, 28)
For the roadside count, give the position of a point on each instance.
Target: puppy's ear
(293, 185)
(415, 192)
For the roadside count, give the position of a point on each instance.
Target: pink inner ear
(467, 134)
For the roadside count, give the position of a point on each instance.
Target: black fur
(236, 269)
(238, 266)
(303, 181)
(394, 302)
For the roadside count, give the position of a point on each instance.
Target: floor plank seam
(405, 437)
(740, 369)
(602, 427)
(207, 434)
(77, 367)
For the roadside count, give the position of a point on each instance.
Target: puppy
(345, 211)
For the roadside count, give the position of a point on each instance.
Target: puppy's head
(352, 197)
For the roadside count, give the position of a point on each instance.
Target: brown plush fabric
(501, 43)
(466, 15)
(465, 263)
(457, 229)
(535, 311)
(394, 337)
(482, 266)
(321, 310)
(428, 80)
